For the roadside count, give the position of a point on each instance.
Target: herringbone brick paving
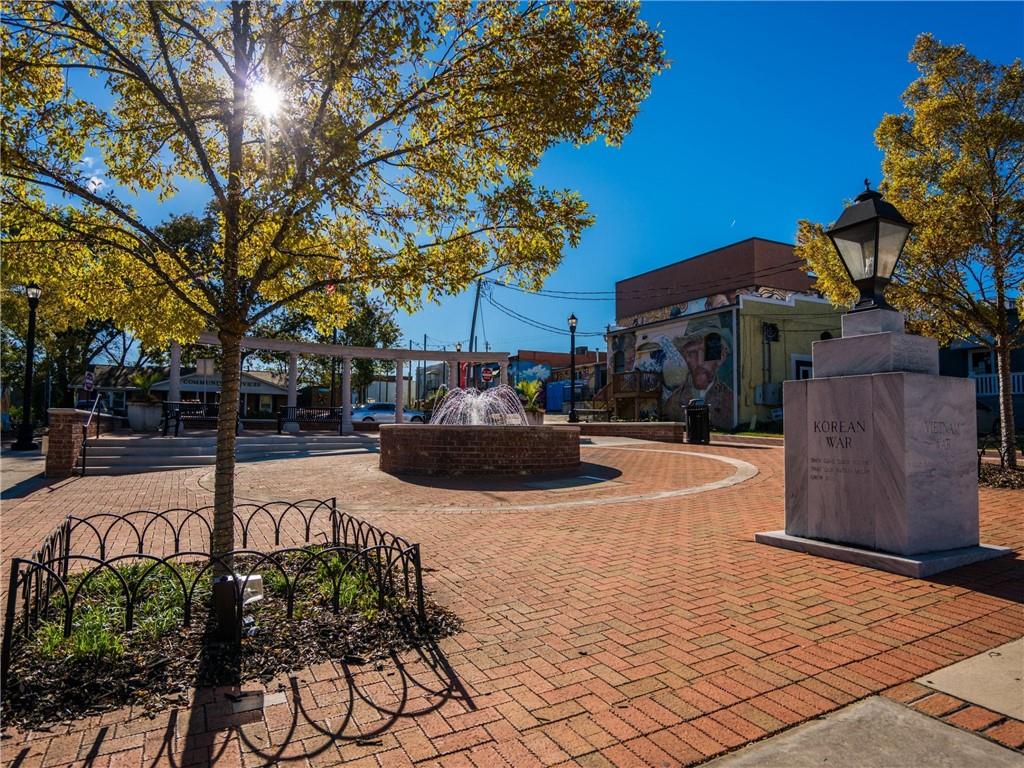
(651, 632)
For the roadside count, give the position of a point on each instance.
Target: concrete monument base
(881, 462)
(290, 426)
(915, 566)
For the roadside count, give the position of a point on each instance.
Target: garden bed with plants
(100, 633)
(100, 666)
(994, 476)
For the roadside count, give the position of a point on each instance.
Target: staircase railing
(83, 448)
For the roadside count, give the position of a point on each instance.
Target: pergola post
(291, 422)
(174, 383)
(503, 374)
(399, 394)
(346, 395)
(453, 375)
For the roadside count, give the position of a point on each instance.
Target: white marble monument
(881, 461)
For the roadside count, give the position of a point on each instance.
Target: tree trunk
(223, 535)
(1008, 433)
(232, 325)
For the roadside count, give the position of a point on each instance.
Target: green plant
(433, 400)
(144, 381)
(356, 590)
(530, 390)
(97, 628)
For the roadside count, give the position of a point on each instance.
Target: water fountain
(498, 406)
(479, 432)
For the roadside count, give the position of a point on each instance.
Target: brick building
(727, 326)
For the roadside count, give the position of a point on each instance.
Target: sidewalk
(20, 472)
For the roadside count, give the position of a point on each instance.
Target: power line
(536, 323)
(785, 266)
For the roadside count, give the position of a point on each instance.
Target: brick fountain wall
(429, 449)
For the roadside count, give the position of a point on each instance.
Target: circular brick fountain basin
(451, 449)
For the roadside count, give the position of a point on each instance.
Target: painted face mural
(695, 360)
(702, 369)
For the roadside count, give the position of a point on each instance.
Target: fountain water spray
(498, 406)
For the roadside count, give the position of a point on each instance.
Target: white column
(346, 395)
(453, 375)
(292, 425)
(399, 391)
(503, 374)
(174, 386)
(293, 380)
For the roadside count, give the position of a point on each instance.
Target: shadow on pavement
(587, 475)
(1002, 577)
(371, 698)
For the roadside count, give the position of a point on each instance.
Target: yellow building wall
(799, 326)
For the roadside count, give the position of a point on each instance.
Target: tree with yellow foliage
(384, 146)
(953, 165)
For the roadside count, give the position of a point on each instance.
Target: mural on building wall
(695, 359)
(529, 370)
(715, 301)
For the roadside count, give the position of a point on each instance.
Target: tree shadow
(1002, 577)
(30, 485)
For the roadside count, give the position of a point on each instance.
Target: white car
(384, 413)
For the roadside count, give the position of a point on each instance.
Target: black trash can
(698, 422)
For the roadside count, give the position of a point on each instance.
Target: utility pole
(472, 323)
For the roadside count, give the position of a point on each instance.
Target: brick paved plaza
(631, 622)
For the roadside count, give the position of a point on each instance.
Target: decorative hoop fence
(81, 548)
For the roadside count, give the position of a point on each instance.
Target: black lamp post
(869, 238)
(573, 418)
(24, 442)
(458, 367)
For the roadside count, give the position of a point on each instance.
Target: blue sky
(766, 116)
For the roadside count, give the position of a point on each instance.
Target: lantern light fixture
(869, 238)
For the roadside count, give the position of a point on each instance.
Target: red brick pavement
(650, 632)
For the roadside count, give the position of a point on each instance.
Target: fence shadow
(370, 699)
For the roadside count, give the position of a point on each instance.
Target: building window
(713, 347)
(981, 362)
(266, 403)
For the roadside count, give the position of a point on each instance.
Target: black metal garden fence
(81, 548)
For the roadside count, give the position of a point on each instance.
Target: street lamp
(458, 366)
(869, 238)
(573, 417)
(24, 442)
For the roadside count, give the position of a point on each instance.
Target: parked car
(384, 413)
